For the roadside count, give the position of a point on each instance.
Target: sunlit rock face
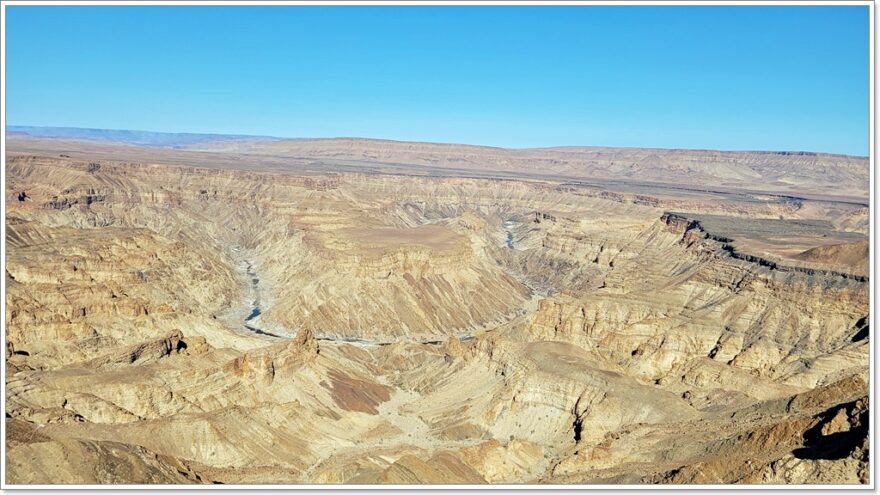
(205, 316)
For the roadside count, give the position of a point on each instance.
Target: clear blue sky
(774, 78)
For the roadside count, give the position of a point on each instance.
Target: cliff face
(750, 319)
(199, 325)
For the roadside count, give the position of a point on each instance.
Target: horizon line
(6, 128)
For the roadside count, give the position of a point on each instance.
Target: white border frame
(872, 236)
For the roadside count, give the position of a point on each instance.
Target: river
(256, 309)
(508, 225)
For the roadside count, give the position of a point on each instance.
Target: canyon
(352, 311)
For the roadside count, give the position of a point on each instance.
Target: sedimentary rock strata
(186, 323)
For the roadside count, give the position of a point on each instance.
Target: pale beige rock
(431, 328)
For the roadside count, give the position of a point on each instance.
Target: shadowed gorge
(365, 311)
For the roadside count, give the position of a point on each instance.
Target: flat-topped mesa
(378, 252)
(692, 231)
(679, 224)
(424, 282)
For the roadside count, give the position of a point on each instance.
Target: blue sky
(773, 78)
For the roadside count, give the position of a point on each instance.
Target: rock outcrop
(184, 316)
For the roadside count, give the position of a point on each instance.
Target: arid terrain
(251, 311)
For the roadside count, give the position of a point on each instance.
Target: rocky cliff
(171, 323)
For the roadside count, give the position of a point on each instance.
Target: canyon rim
(360, 311)
(588, 245)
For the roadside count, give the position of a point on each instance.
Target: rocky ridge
(421, 330)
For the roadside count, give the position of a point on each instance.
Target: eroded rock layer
(182, 324)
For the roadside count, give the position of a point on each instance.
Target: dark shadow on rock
(837, 445)
(862, 329)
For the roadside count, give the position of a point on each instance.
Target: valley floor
(171, 323)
